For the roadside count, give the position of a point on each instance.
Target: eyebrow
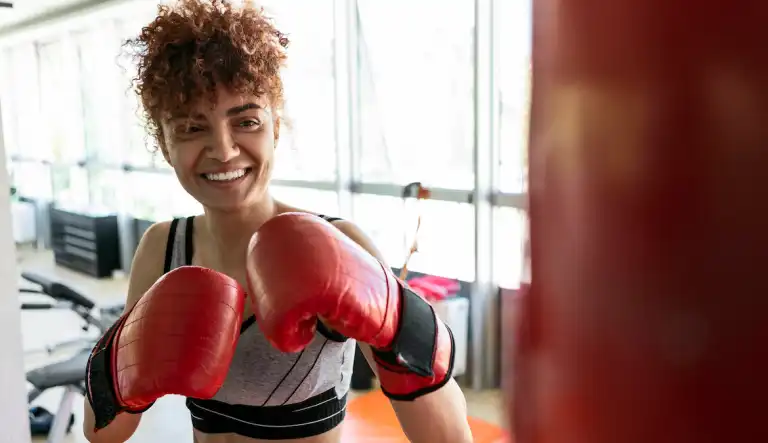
(230, 112)
(242, 108)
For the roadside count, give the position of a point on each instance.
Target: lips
(226, 176)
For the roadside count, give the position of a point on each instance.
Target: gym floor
(168, 420)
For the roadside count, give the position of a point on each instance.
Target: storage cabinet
(85, 242)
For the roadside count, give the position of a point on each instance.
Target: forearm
(430, 407)
(114, 426)
(119, 431)
(440, 416)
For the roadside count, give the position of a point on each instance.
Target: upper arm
(147, 267)
(148, 262)
(357, 235)
(438, 416)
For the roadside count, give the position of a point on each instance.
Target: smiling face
(208, 78)
(222, 152)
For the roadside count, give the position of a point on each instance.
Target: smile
(227, 176)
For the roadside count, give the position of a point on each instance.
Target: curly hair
(194, 46)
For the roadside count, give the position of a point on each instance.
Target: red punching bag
(646, 320)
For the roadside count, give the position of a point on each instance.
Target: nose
(222, 146)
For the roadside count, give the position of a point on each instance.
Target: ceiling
(25, 10)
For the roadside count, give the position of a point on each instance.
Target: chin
(234, 203)
(224, 207)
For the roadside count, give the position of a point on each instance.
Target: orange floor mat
(370, 418)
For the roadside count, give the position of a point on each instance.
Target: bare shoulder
(351, 230)
(148, 261)
(348, 228)
(356, 234)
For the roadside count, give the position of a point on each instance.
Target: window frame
(485, 196)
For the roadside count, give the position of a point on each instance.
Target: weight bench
(69, 374)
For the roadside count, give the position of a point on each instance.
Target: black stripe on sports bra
(189, 239)
(169, 246)
(329, 219)
(189, 248)
(308, 418)
(189, 244)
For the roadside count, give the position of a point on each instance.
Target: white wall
(14, 422)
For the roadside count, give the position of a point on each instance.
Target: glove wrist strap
(413, 347)
(99, 383)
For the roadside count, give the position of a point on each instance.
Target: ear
(276, 130)
(165, 154)
(163, 147)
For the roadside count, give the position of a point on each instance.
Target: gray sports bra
(268, 394)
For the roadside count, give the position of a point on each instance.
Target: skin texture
(230, 135)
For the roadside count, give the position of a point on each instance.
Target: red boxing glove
(178, 339)
(300, 267)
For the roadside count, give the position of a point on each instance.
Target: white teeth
(226, 176)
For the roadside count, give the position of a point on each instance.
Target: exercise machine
(47, 295)
(70, 372)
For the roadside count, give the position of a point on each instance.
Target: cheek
(261, 147)
(184, 158)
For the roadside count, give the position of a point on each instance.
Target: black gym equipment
(70, 372)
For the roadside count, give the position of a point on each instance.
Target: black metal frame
(69, 373)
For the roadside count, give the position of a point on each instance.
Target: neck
(230, 231)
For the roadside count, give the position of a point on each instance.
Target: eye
(249, 123)
(192, 129)
(185, 130)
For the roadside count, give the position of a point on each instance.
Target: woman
(209, 82)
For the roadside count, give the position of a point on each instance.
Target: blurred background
(379, 95)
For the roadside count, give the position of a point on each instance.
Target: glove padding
(178, 339)
(300, 267)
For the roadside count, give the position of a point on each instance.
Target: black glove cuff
(413, 347)
(99, 383)
(138, 411)
(329, 333)
(411, 396)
